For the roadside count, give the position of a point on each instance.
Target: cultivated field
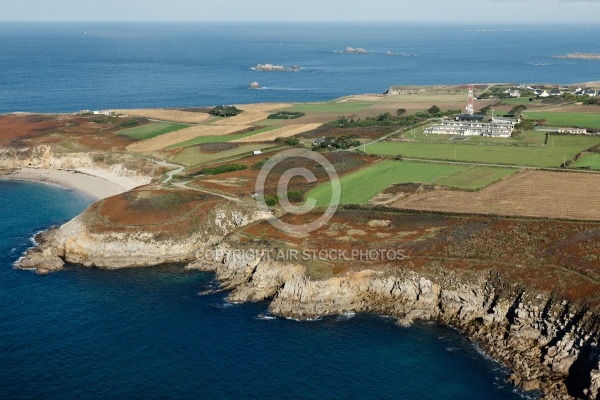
(591, 161)
(173, 138)
(165, 114)
(222, 138)
(286, 131)
(360, 186)
(151, 130)
(531, 193)
(252, 114)
(475, 178)
(192, 156)
(583, 120)
(559, 148)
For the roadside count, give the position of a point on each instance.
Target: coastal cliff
(137, 172)
(550, 345)
(101, 237)
(507, 284)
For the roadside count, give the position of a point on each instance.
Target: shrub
(129, 122)
(271, 201)
(286, 115)
(260, 164)
(295, 196)
(225, 111)
(221, 169)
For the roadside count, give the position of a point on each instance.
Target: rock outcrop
(548, 344)
(74, 243)
(43, 156)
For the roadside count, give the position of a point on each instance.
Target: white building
(465, 128)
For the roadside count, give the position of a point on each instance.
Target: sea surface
(66, 67)
(147, 333)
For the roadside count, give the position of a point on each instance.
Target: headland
(492, 235)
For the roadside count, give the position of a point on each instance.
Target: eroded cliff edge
(525, 290)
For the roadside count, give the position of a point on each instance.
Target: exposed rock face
(549, 345)
(74, 243)
(44, 157)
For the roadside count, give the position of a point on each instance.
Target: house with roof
(591, 92)
(555, 92)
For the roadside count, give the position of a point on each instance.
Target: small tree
(434, 109)
(400, 112)
(517, 110)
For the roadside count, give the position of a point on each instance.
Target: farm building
(574, 131)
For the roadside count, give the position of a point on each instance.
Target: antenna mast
(470, 108)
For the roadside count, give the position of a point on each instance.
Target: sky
(507, 11)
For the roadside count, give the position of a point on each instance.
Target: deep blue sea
(146, 333)
(63, 67)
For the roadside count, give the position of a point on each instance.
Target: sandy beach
(94, 186)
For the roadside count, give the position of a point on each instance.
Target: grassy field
(360, 186)
(476, 178)
(151, 130)
(222, 138)
(332, 107)
(192, 156)
(521, 100)
(583, 120)
(588, 161)
(559, 148)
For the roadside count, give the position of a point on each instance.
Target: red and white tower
(470, 108)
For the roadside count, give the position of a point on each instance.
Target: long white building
(467, 128)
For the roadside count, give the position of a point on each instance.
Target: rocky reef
(274, 68)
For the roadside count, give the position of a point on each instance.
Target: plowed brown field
(531, 193)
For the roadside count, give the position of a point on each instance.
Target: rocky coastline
(549, 344)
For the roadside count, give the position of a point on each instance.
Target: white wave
(265, 317)
(346, 315)
(305, 320)
(539, 64)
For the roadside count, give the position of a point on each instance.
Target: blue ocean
(52, 67)
(146, 333)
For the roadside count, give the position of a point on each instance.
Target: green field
(591, 161)
(221, 138)
(559, 148)
(364, 184)
(521, 100)
(192, 156)
(332, 107)
(582, 120)
(475, 178)
(151, 130)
